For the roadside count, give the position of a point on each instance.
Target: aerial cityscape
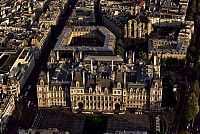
(99, 66)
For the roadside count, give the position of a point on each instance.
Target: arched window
(54, 88)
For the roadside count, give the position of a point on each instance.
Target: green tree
(191, 10)
(191, 108)
(120, 47)
(184, 132)
(195, 88)
(142, 55)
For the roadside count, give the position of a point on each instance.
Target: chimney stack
(72, 75)
(124, 79)
(48, 77)
(91, 65)
(80, 55)
(57, 55)
(84, 78)
(112, 66)
(155, 60)
(133, 57)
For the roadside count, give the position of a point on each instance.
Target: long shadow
(41, 63)
(95, 125)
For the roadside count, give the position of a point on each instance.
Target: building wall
(136, 29)
(53, 96)
(155, 96)
(136, 98)
(6, 112)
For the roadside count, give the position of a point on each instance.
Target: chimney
(119, 67)
(80, 55)
(112, 66)
(48, 77)
(91, 65)
(154, 60)
(124, 79)
(84, 78)
(72, 75)
(57, 55)
(133, 57)
(73, 55)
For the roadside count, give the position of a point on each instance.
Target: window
(42, 82)
(77, 84)
(118, 85)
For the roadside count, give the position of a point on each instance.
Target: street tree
(195, 88)
(191, 10)
(191, 108)
(120, 47)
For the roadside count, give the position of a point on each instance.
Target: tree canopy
(184, 132)
(195, 88)
(191, 107)
(191, 11)
(120, 47)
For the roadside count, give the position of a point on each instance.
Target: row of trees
(192, 107)
(191, 11)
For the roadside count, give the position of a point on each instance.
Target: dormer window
(131, 90)
(106, 90)
(42, 82)
(52, 60)
(156, 85)
(60, 88)
(54, 88)
(118, 85)
(77, 84)
(90, 90)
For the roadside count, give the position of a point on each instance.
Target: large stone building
(7, 106)
(121, 88)
(52, 92)
(170, 42)
(16, 67)
(101, 84)
(88, 39)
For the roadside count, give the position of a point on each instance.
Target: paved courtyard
(128, 122)
(74, 123)
(63, 120)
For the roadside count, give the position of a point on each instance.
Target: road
(41, 64)
(173, 129)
